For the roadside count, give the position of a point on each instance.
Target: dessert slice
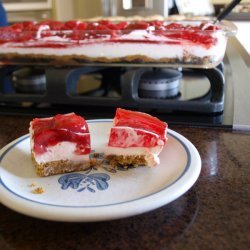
(136, 139)
(60, 144)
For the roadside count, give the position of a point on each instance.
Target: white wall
(227, 1)
(72, 9)
(64, 9)
(88, 8)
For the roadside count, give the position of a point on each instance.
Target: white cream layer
(115, 49)
(61, 151)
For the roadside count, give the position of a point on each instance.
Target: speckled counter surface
(213, 214)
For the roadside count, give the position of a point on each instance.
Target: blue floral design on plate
(81, 182)
(91, 182)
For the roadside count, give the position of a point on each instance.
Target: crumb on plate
(38, 190)
(33, 184)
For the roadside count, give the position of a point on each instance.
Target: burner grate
(131, 86)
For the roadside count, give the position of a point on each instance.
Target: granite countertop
(213, 214)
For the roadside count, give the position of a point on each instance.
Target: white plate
(97, 194)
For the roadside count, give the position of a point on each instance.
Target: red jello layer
(124, 138)
(139, 120)
(77, 31)
(71, 122)
(49, 132)
(52, 137)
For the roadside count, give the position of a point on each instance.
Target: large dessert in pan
(197, 43)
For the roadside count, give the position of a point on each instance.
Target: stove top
(193, 97)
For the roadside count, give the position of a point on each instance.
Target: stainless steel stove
(215, 97)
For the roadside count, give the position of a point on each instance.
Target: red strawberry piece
(70, 25)
(56, 25)
(28, 26)
(106, 25)
(99, 30)
(82, 26)
(25, 36)
(140, 25)
(121, 25)
(71, 122)
(112, 26)
(92, 26)
(17, 27)
(102, 27)
(174, 26)
(76, 35)
(104, 22)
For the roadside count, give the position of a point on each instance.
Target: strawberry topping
(124, 137)
(137, 129)
(79, 30)
(48, 132)
(140, 120)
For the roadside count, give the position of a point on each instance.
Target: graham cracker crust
(126, 161)
(79, 59)
(59, 167)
